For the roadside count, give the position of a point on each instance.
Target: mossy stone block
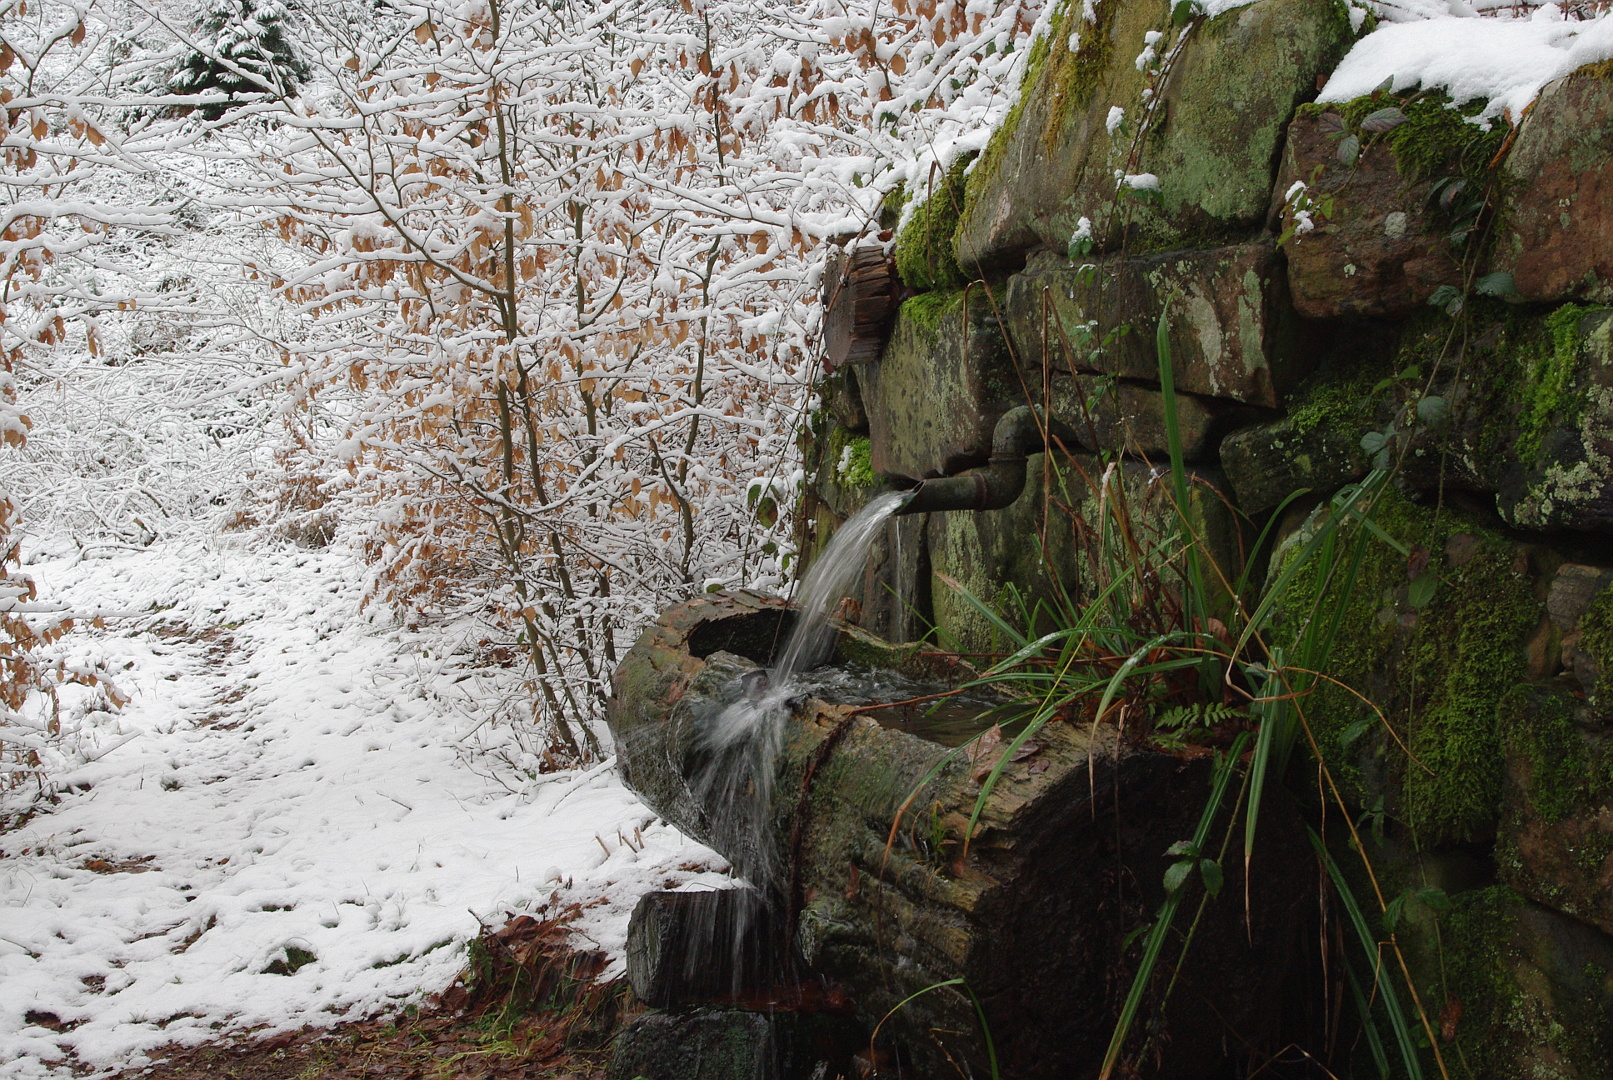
(1265, 463)
(1555, 229)
(1229, 332)
(1213, 144)
(940, 386)
(1535, 989)
(1436, 665)
(1556, 837)
(926, 257)
(1562, 476)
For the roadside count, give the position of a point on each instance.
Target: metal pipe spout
(1001, 480)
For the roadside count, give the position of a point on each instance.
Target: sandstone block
(1556, 226)
(1380, 250)
(1229, 337)
(1220, 123)
(940, 386)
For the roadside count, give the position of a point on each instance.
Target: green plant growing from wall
(1170, 645)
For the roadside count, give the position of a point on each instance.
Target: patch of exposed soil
(529, 1007)
(433, 1045)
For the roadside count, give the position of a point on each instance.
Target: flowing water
(740, 732)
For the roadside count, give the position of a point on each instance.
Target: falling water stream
(740, 733)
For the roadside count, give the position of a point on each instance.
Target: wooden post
(860, 294)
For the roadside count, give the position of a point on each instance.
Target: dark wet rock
(1556, 842)
(730, 1044)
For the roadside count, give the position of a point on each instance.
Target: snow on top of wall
(1506, 58)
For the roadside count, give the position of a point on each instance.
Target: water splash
(741, 733)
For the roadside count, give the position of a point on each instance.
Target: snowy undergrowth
(292, 773)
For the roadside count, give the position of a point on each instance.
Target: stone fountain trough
(876, 899)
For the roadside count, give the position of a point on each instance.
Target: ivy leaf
(1176, 874)
(1392, 912)
(1448, 297)
(1432, 408)
(1421, 591)
(1373, 441)
(1453, 188)
(1183, 847)
(1210, 870)
(1499, 284)
(1349, 149)
(1384, 120)
(1353, 732)
(1433, 899)
(1382, 459)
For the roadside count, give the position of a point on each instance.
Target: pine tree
(250, 35)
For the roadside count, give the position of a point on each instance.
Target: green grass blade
(1369, 1026)
(1167, 912)
(1369, 945)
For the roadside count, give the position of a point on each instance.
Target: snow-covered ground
(297, 774)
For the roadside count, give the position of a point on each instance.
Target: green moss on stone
(1547, 396)
(927, 310)
(1438, 673)
(1336, 404)
(1565, 777)
(924, 249)
(1051, 69)
(890, 207)
(1528, 1011)
(852, 461)
(1437, 138)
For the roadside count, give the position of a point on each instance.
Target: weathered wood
(1067, 860)
(696, 948)
(860, 294)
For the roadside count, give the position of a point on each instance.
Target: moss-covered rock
(1556, 837)
(940, 386)
(1562, 476)
(1436, 661)
(1555, 230)
(1266, 463)
(1229, 332)
(926, 257)
(1379, 244)
(1233, 89)
(1532, 990)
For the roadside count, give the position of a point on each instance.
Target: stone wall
(1381, 268)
